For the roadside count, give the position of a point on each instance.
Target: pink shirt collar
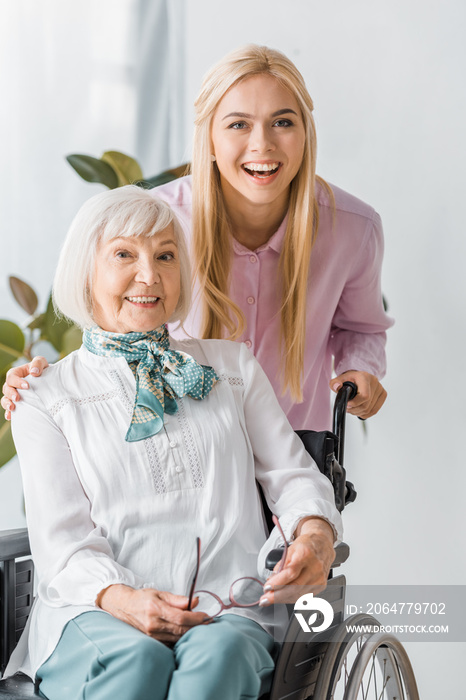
(274, 243)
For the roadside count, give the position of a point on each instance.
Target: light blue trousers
(101, 658)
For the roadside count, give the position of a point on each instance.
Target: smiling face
(258, 139)
(136, 282)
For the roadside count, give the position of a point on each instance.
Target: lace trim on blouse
(55, 409)
(188, 439)
(234, 381)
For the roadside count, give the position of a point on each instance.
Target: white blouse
(102, 511)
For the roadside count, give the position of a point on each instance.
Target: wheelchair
(338, 663)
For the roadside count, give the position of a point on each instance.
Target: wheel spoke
(384, 686)
(372, 674)
(346, 672)
(375, 675)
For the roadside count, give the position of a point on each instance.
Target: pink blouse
(346, 321)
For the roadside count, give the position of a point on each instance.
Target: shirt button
(248, 344)
(172, 443)
(251, 300)
(252, 258)
(178, 469)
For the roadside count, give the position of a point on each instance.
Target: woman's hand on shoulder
(371, 394)
(307, 564)
(159, 614)
(15, 379)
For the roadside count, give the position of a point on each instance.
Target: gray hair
(120, 213)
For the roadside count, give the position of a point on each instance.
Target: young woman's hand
(159, 614)
(307, 564)
(371, 394)
(15, 379)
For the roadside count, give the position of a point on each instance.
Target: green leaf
(37, 322)
(72, 340)
(93, 170)
(7, 446)
(166, 176)
(24, 295)
(127, 169)
(12, 343)
(54, 327)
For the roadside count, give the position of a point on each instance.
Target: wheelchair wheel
(382, 670)
(362, 665)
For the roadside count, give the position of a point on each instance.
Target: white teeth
(143, 300)
(261, 167)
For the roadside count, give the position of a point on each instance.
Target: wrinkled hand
(15, 379)
(371, 394)
(307, 564)
(159, 614)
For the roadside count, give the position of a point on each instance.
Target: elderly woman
(132, 447)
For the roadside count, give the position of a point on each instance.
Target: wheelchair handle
(346, 392)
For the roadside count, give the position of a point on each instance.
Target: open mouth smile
(143, 300)
(261, 171)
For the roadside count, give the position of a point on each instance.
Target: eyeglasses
(245, 592)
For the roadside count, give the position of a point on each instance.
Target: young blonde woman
(284, 262)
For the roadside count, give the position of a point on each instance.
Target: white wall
(387, 83)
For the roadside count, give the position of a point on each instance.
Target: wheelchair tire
(381, 672)
(382, 655)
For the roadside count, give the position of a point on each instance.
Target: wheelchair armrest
(342, 551)
(16, 589)
(14, 544)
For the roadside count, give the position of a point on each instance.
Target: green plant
(114, 169)
(18, 344)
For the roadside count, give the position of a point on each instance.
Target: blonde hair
(211, 233)
(120, 213)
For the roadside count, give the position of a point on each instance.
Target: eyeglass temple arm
(278, 554)
(193, 584)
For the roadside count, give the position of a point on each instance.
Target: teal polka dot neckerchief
(161, 374)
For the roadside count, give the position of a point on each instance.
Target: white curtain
(160, 51)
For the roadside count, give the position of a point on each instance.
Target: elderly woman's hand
(159, 614)
(15, 379)
(307, 564)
